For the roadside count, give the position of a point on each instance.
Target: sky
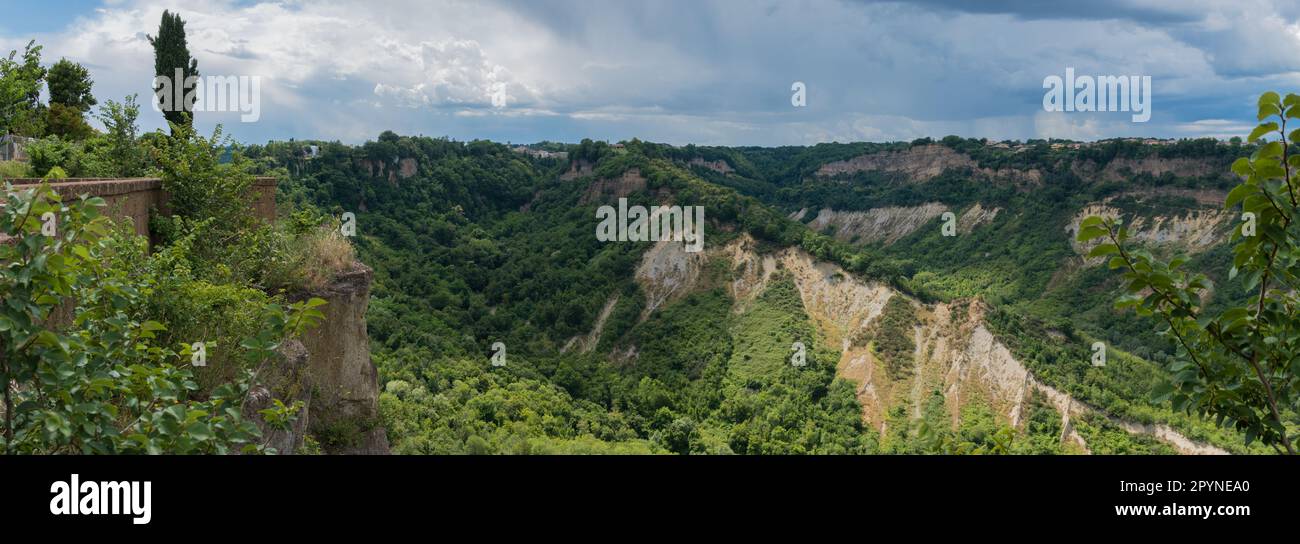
(716, 72)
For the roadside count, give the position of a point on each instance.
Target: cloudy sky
(683, 71)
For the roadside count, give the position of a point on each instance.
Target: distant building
(540, 153)
(11, 147)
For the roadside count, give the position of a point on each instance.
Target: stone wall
(133, 198)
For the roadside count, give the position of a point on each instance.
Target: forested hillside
(640, 347)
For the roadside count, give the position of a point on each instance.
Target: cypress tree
(170, 53)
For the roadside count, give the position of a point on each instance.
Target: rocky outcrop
(610, 189)
(341, 379)
(1193, 232)
(667, 272)
(586, 343)
(1121, 168)
(955, 352)
(975, 216)
(887, 225)
(284, 379)
(720, 166)
(328, 374)
(917, 163)
(920, 163)
(892, 223)
(580, 168)
(400, 169)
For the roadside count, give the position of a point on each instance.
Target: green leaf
(1237, 194)
(199, 431)
(1103, 250)
(1268, 110)
(1261, 130)
(1161, 392)
(1090, 233)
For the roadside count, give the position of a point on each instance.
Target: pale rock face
(667, 272)
(922, 163)
(892, 223)
(918, 163)
(886, 225)
(586, 343)
(720, 166)
(975, 216)
(577, 169)
(1194, 232)
(1121, 168)
(956, 355)
(342, 378)
(612, 189)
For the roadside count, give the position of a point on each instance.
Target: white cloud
(453, 72)
(690, 71)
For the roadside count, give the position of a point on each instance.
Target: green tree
(20, 91)
(1240, 366)
(124, 153)
(70, 99)
(201, 184)
(67, 122)
(172, 59)
(70, 85)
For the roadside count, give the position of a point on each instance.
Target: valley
(917, 342)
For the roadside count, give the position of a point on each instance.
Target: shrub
(104, 382)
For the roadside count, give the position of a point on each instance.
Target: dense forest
(476, 243)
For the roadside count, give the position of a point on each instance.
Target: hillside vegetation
(629, 347)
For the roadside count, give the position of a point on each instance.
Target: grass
(13, 169)
(763, 335)
(310, 261)
(325, 254)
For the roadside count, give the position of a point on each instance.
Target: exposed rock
(956, 355)
(955, 352)
(407, 168)
(400, 169)
(577, 169)
(720, 166)
(920, 163)
(1194, 232)
(374, 168)
(343, 380)
(667, 272)
(588, 342)
(886, 225)
(607, 189)
(1121, 168)
(283, 379)
(975, 216)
